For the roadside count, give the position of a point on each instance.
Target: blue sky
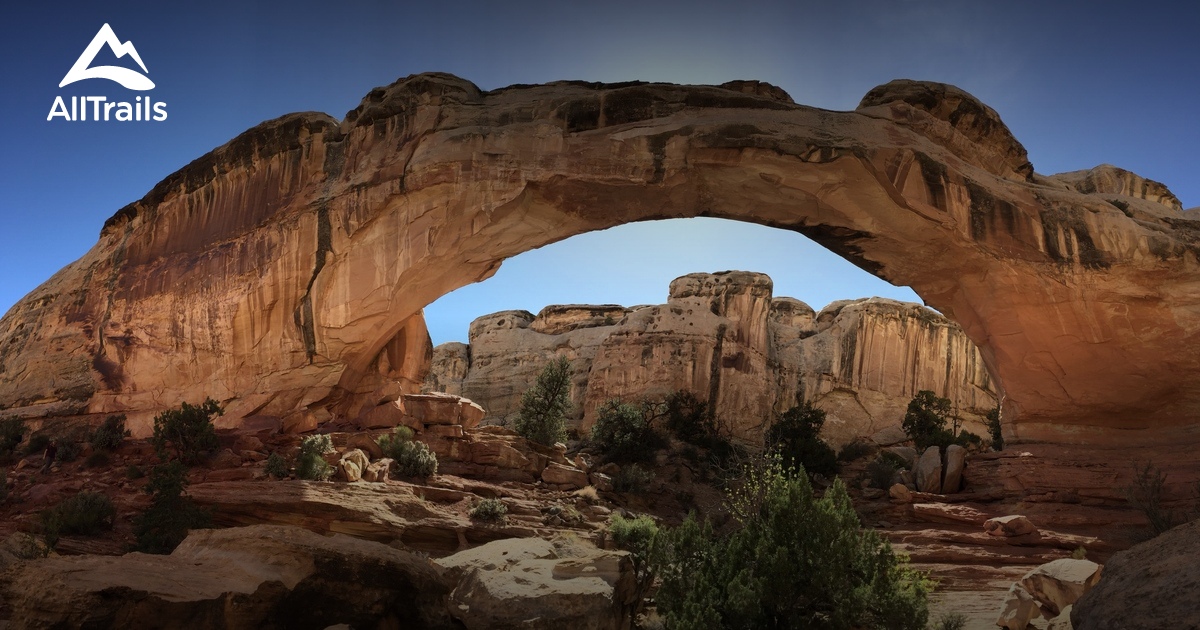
(1079, 83)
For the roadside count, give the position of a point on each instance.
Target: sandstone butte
(725, 338)
(284, 272)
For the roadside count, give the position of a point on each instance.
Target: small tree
(12, 431)
(994, 428)
(188, 431)
(925, 420)
(545, 406)
(166, 522)
(623, 434)
(795, 436)
(109, 435)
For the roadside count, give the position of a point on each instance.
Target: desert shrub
(276, 466)
(544, 407)
(36, 444)
(881, 471)
(68, 451)
(854, 450)
(109, 435)
(1146, 494)
(623, 433)
(188, 431)
(97, 459)
(795, 436)
(166, 522)
(133, 471)
(411, 458)
(687, 417)
(966, 438)
(951, 621)
(12, 431)
(994, 428)
(632, 479)
(310, 463)
(796, 561)
(491, 510)
(1079, 553)
(86, 514)
(632, 534)
(636, 535)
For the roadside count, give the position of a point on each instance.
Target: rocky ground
(1073, 499)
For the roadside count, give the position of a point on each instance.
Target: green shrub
(492, 510)
(36, 444)
(276, 466)
(622, 433)
(166, 522)
(188, 431)
(68, 451)
(795, 562)
(994, 428)
(109, 435)
(86, 514)
(544, 407)
(855, 450)
(133, 471)
(632, 479)
(12, 431)
(97, 459)
(688, 417)
(632, 534)
(410, 458)
(310, 463)
(881, 471)
(795, 436)
(1146, 494)
(951, 621)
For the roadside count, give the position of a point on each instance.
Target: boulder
(1058, 584)
(246, 577)
(378, 470)
(956, 462)
(1018, 610)
(900, 492)
(225, 458)
(564, 475)
(1063, 620)
(1011, 525)
(928, 471)
(351, 465)
(444, 409)
(889, 436)
(1150, 585)
(386, 416)
(601, 481)
(906, 453)
(533, 583)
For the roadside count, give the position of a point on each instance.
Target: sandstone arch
(274, 271)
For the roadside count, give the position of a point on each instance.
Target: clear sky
(1080, 84)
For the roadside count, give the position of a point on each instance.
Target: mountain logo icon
(130, 79)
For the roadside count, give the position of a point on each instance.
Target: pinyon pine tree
(545, 406)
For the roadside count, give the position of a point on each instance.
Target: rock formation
(1152, 585)
(284, 272)
(726, 339)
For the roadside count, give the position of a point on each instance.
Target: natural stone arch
(297, 252)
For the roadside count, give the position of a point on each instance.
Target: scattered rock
(1063, 620)
(225, 459)
(1011, 525)
(365, 443)
(1058, 584)
(441, 408)
(601, 481)
(872, 493)
(889, 436)
(389, 414)
(900, 492)
(351, 465)
(928, 472)
(535, 584)
(907, 453)
(1018, 610)
(564, 475)
(378, 470)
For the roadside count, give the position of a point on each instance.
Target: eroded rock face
(726, 339)
(284, 272)
(248, 577)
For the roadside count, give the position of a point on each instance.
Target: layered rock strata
(726, 339)
(285, 272)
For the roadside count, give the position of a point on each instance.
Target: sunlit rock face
(727, 340)
(284, 272)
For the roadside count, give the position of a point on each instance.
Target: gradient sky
(1079, 84)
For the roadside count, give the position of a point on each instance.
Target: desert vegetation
(544, 407)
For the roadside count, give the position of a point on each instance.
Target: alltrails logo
(142, 108)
